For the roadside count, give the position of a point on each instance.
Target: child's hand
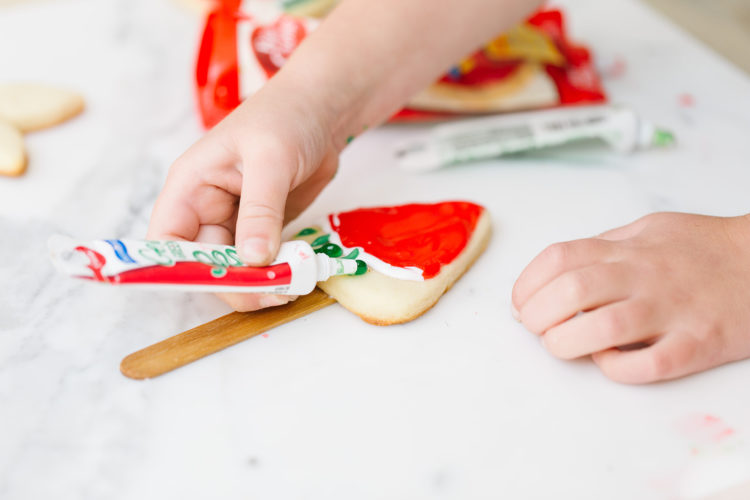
(261, 166)
(677, 284)
(270, 158)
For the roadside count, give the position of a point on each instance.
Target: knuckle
(557, 254)
(265, 148)
(659, 365)
(654, 217)
(704, 332)
(252, 210)
(639, 313)
(577, 286)
(612, 327)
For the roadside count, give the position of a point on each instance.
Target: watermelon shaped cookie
(414, 253)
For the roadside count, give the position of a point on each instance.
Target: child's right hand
(259, 167)
(271, 157)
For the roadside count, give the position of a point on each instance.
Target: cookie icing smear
(417, 236)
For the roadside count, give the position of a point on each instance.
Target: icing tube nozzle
(193, 266)
(329, 266)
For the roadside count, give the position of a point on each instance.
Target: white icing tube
(493, 136)
(192, 266)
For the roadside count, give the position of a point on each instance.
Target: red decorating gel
(426, 236)
(96, 262)
(687, 100)
(199, 273)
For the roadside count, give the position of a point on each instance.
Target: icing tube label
(489, 137)
(192, 266)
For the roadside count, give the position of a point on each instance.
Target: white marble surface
(459, 404)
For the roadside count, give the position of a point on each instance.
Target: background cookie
(12, 152)
(30, 106)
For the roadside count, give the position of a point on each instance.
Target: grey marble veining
(462, 403)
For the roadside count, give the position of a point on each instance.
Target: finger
(221, 235)
(215, 234)
(252, 302)
(175, 215)
(265, 185)
(172, 219)
(671, 356)
(577, 290)
(619, 324)
(555, 260)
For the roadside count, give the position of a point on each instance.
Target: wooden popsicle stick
(216, 335)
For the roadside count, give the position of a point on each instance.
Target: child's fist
(672, 288)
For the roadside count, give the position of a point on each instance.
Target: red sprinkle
(687, 100)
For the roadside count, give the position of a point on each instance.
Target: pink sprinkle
(618, 68)
(725, 433)
(705, 429)
(264, 335)
(687, 100)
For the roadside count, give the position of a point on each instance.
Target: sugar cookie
(31, 106)
(12, 152)
(414, 253)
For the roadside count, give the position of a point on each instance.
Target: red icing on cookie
(426, 236)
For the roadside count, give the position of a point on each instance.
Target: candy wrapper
(531, 66)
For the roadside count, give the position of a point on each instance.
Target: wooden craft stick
(216, 335)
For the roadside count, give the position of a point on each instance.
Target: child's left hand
(677, 284)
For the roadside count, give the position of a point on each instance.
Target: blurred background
(724, 25)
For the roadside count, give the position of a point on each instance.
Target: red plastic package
(531, 66)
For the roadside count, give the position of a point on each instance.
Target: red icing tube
(195, 274)
(192, 266)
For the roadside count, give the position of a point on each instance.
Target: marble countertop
(462, 403)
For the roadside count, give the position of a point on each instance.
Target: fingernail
(514, 312)
(272, 301)
(255, 251)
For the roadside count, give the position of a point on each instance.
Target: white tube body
(493, 136)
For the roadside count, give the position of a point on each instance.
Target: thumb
(261, 213)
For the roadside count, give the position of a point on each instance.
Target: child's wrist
(342, 100)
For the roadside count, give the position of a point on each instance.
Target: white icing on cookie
(409, 273)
